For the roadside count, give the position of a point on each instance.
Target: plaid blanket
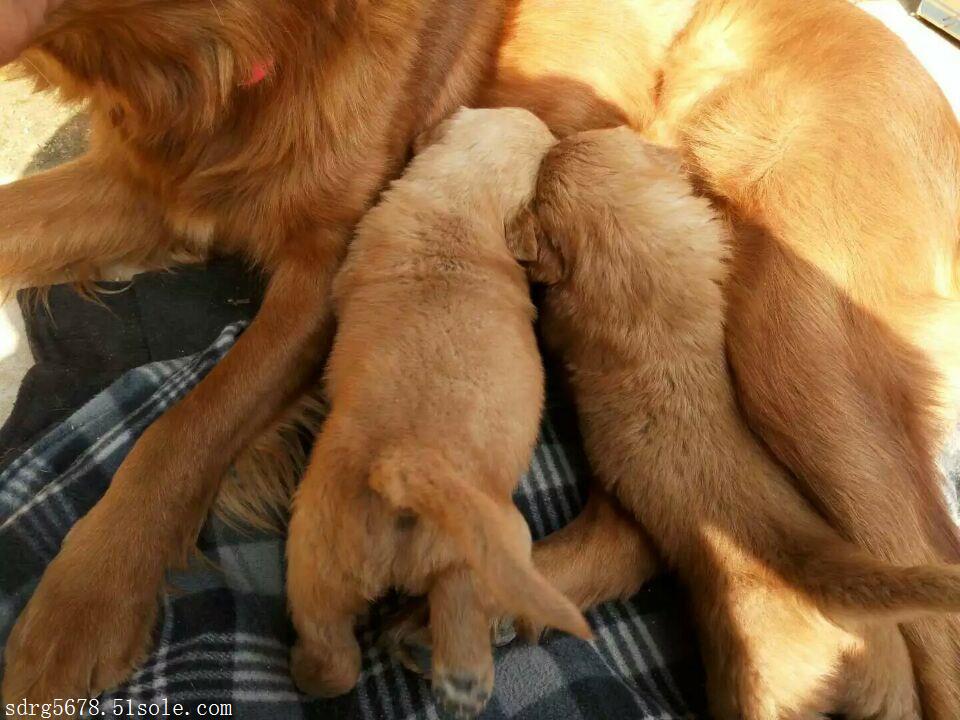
(224, 636)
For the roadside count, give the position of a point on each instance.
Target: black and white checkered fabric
(224, 636)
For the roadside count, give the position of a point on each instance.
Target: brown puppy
(794, 621)
(436, 389)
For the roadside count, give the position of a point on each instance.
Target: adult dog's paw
(88, 625)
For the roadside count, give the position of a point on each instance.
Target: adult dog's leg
(810, 396)
(880, 690)
(837, 231)
(67, 222)
(89, 621)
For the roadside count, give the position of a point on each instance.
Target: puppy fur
(794, 621)
(436, 388)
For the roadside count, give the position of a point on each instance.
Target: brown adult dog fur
(794, 620)
(185, 151)
(436, 388)
(830, 151)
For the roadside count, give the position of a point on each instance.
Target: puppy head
(496, 152)
(588, 184)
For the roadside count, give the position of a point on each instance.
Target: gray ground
(36, 132)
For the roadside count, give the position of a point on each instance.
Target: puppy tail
(842, 576)
(484, 532)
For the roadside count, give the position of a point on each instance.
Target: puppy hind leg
(462, 659)
(323, 595)
(325, 662)
(602, 555)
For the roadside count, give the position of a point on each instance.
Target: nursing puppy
(794, 621)
(436, 388)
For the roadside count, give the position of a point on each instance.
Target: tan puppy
(794, 621)
(436, 389)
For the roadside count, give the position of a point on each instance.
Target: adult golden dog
(832, 155)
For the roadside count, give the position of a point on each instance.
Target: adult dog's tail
(423, 481)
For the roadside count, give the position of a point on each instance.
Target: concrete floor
(36, 132)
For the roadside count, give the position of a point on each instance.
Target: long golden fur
(436, 388)
(830, 153)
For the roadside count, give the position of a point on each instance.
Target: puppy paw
(415, 653)
(407, 637)
(532, 632)
(461, 696)
(324, 674)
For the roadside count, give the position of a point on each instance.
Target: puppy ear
(530, 246)
(522, 236)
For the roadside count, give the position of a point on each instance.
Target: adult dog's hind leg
(67, 222)
(826, 375)
(882, 689)
(840, 401)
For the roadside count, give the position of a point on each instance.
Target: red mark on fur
(258, 73)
